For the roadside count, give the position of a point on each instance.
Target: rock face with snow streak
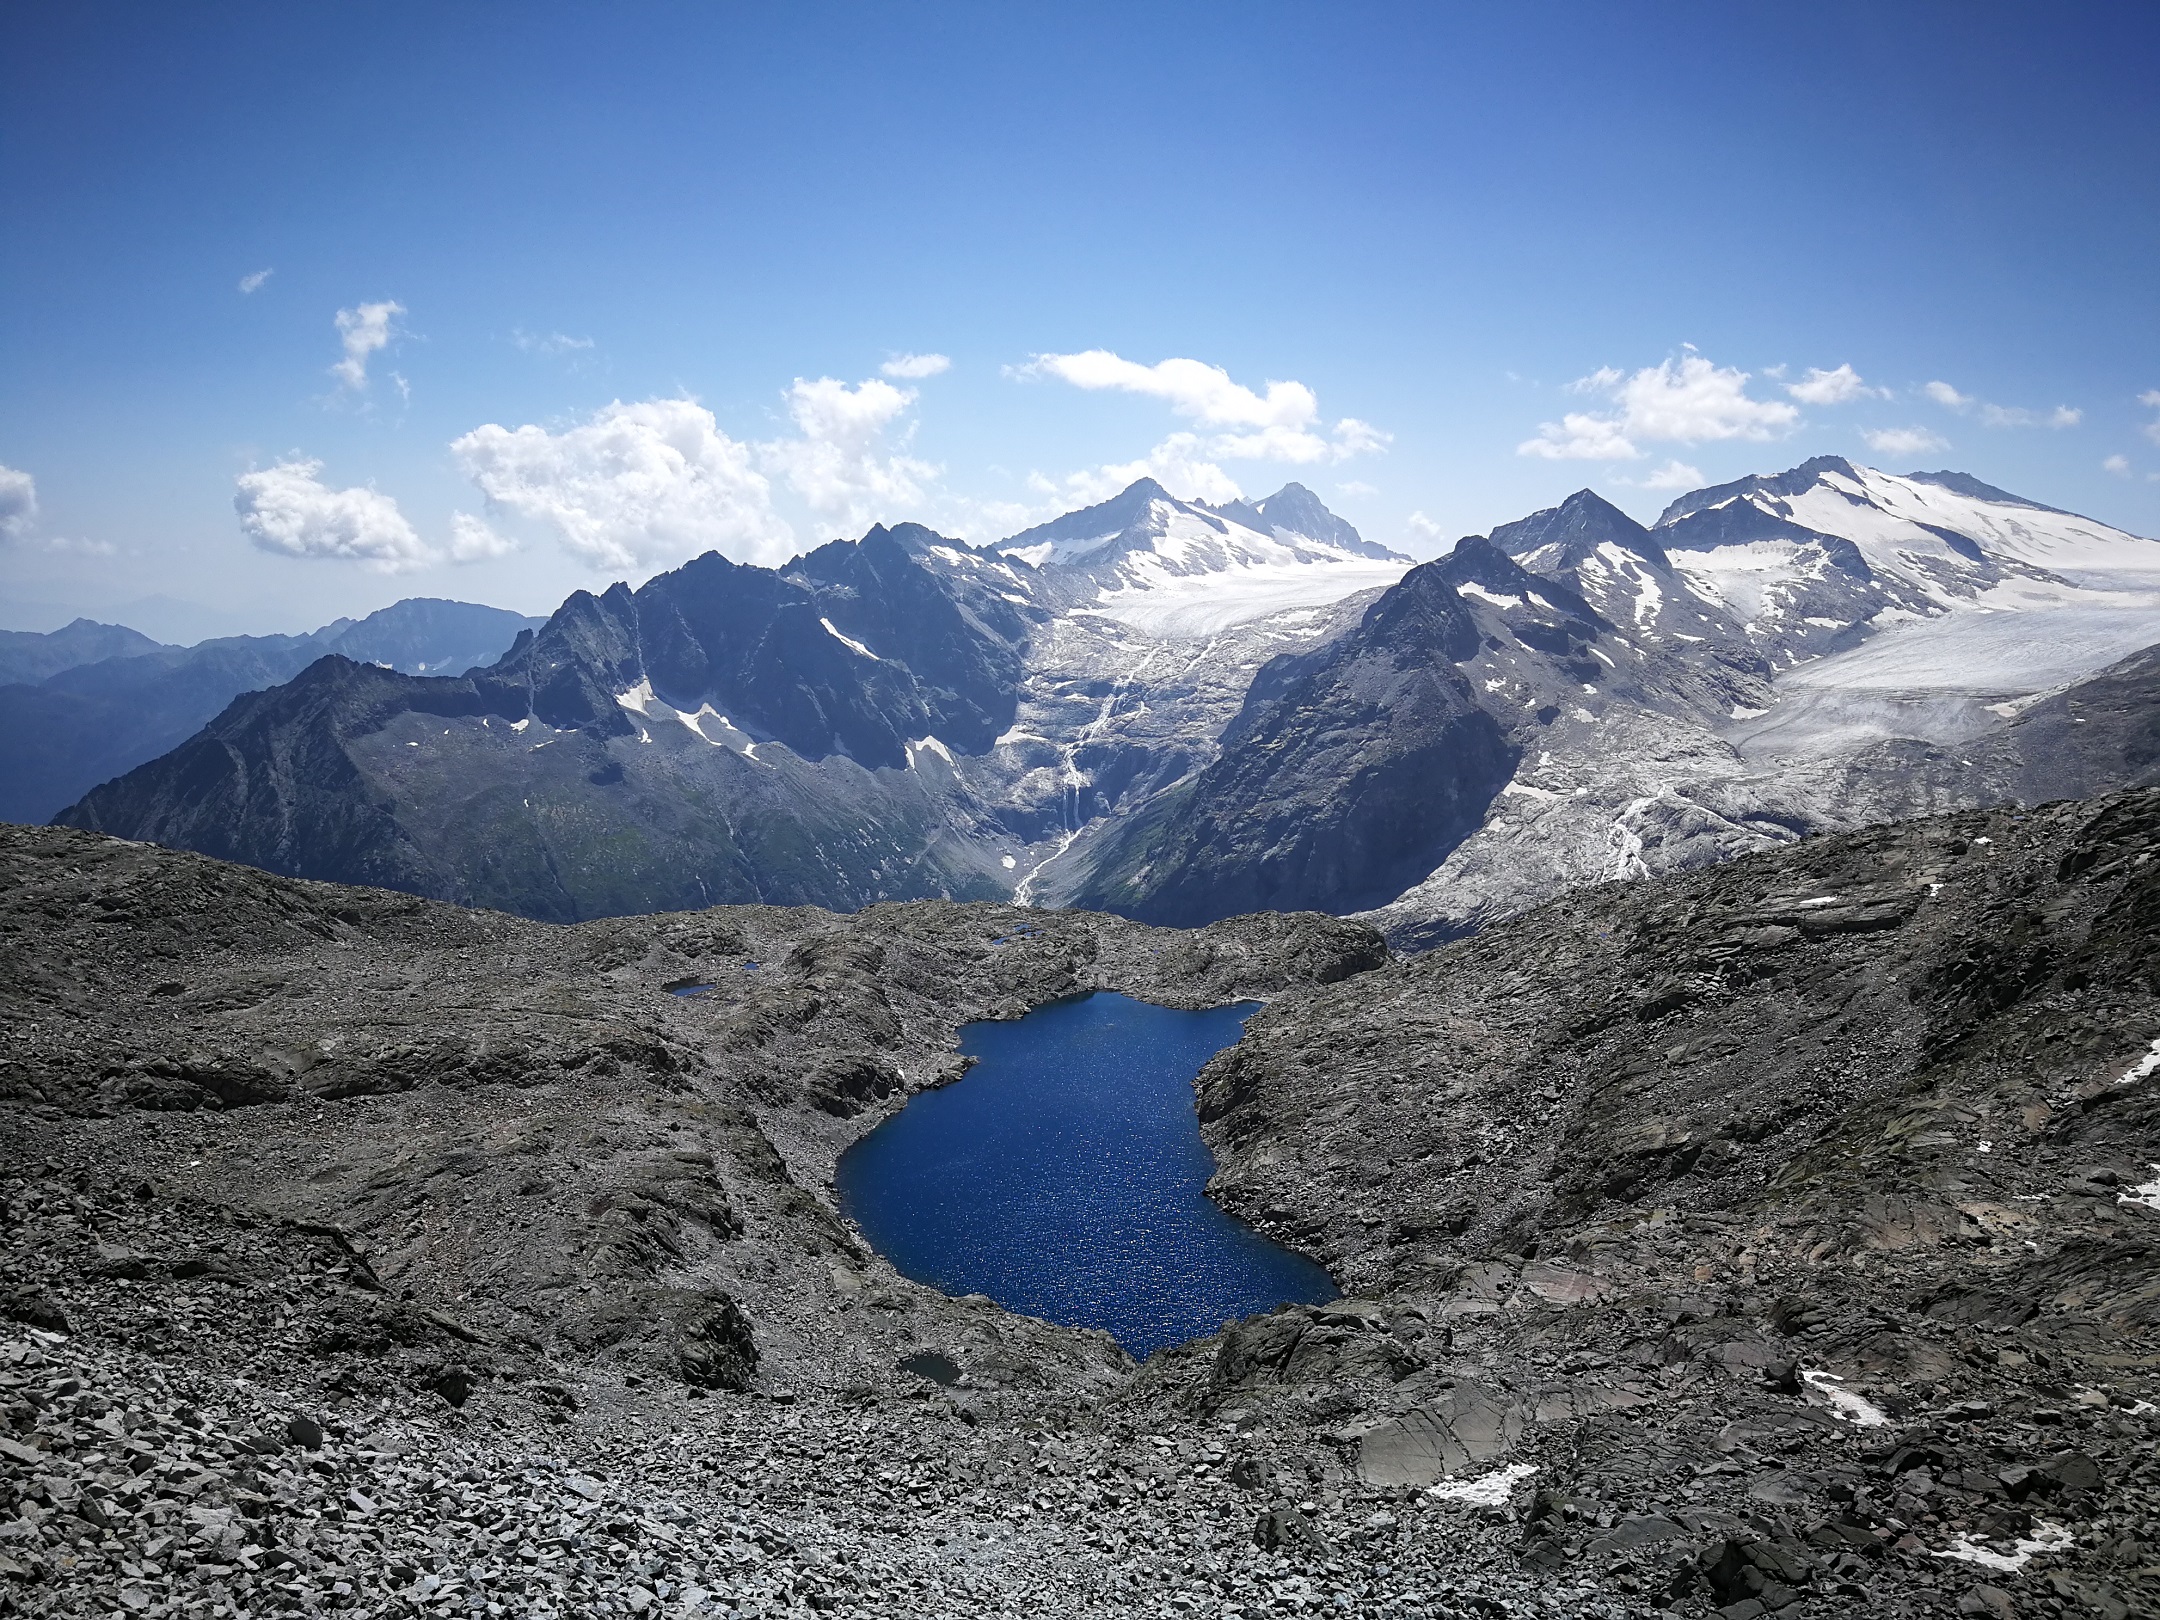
(893, 717)
(721, 733)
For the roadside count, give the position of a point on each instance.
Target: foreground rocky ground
(1774, 1240)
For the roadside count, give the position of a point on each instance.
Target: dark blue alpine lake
(1064, 1177)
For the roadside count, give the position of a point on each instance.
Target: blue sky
(637, 273)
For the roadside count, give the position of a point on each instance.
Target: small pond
(1064, 1177)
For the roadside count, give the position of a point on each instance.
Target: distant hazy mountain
(28, 656)
(119, 698)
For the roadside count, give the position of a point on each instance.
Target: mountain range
(1179, 711)
(84, 703)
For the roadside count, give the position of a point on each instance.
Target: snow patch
(2144, 1067)
(710, 725)
(2145, 1194)
(849, 642)
(1845, 1404)
(2046, 1538)
(1488, 1490)
(927, 745)
(1471, 587)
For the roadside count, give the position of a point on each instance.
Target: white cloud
(1281, 425)
(254, 279)
(838, 465)
(652, 482)
(2118, 465)
(18, 502)
(288, 509)
(472, 540)
(1683, 401)
(1180, 464)
(1943, 394)
(1355, 489)
(1837, 387)
(1419, 524)
(1675, 474)
(2014, 416)
(548, 342)
(363, 331)
(914, 367)
(1578, 436)
(1912, 441)
(2152, 429)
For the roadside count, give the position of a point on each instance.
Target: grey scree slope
(368, 1255)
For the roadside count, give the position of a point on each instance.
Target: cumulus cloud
(1906, 441)
(634, 484)
(2002, 416)
(2015, 416)
(838, 464)
(1681, 401)
(548, 342)
(1837, 387)
(18, 502)
(1675, 474)
(473, 540)
(1421, 525)
(288, 509)
(914, 367)
(1180, 464)
(254, 279)
(1282, 424)
(2118, 465)
(363, 331)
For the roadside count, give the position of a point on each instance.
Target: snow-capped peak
(1567, 535)
(1177, 567)
(1901, 524)
(1190, 537)
(1811, 558)
(1295, 514)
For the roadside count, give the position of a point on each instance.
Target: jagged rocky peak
(1568, 535)
(1295, 513)
(1768, 486)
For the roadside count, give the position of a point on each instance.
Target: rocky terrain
(1770, 1240)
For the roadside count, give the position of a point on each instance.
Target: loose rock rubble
(1709, 1251)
